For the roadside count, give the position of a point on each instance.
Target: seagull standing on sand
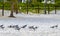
(17, 27)
(1, 26)
(54, 26)
(32, 27)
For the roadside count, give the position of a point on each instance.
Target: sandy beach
(42, 21)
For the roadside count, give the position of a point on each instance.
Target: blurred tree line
(33, 3)
(14, 5)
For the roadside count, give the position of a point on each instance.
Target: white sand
(43, 22)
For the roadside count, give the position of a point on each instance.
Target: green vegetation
(32, 6)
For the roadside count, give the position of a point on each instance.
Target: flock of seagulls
(16, 27)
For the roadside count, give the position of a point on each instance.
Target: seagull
(1, 26)
(17, 27)
(24, 26)
(35, 28)
(14, 26)
(10, 26)
(32, 27)
(54, 26)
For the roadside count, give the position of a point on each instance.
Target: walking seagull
(24, 26)
(32, 27)
(1, 26)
